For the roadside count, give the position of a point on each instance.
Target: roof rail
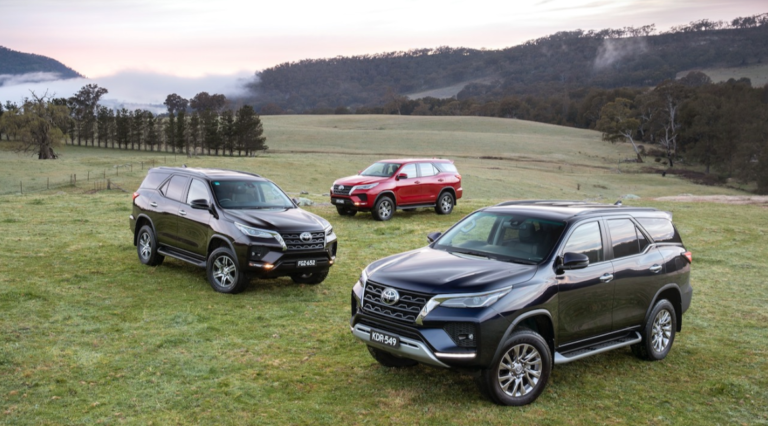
(201, 171)
(560, 203)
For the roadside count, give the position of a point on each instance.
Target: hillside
(18, 63)
(559, 63)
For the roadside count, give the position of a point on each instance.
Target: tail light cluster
(688, 256)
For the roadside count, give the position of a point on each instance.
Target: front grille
(294, 242)
(342, 189)
(406, 309)
(462, 333)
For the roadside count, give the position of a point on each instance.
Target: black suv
(511, 289)
(234, 224)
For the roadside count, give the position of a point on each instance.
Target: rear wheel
(383, 209)
(388, 360)
(444, 203)
(224, 273)
(146, 247)
(311, 278)
(345, 211)
(520, 373)
(658, 334)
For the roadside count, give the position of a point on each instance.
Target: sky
(136, 47)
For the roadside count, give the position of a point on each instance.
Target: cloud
(132, 89)
(613, 50)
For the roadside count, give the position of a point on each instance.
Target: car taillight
(688, 256)
(135, 194)
(458, 176)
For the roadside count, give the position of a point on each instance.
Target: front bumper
(409, 348)
(358, 201)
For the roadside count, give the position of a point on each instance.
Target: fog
(131, 89)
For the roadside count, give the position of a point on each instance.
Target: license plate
(339, 201)
(385, 339)
(304, 263)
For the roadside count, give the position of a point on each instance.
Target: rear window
(661, 230)
(446, 167)
(153, 180)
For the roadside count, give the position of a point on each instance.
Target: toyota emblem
(390, 296)
(305, 237)
(341, 187)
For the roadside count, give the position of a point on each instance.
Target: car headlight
(363, 278)
(467, 300)
(260, 233)
(369, 186)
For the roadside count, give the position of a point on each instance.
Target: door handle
(182, 212)
(606, 278)
(153, 204)
(440, 180)
(417, 182)
(655, 269)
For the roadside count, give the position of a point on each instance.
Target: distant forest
(564, 64)
(17, 63)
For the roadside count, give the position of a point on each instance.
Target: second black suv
(512, 289)
(234, 224)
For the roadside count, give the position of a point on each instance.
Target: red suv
(399, 184)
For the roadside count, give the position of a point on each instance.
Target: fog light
(268, 266)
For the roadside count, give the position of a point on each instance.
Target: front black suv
(511, 289)
(234, 224)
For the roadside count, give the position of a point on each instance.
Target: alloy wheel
(520, 370)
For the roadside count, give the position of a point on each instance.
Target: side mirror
(359, 171)
(201, 204)
(402, 176)
(431, 237)
(295, 201)
(575, 261)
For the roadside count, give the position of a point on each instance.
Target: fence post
(105, 173)
(109, 184)
(118, 170)
(142, 165)
(48, 183)
(131, 167)
(75, 175)
(89, 176)
(21, 188)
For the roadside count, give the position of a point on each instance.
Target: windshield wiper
(469, 253)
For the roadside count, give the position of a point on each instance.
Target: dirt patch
(722, 199)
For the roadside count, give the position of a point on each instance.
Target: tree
(176, 105)
(617, 122)
(6, 128)
(39, 125)
(703, 130)
(665, 100)
(85, 101)
(228, 131)
(249, 130)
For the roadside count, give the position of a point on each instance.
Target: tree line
(203, 124)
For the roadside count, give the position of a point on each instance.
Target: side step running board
(181, 256)
(597, 348)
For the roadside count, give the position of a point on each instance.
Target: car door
(166, 224)
(585, 296)
(429, 187)
(193, 224)
(637, 270)
(407, 189)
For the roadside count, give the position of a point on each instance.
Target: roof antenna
(617, 203)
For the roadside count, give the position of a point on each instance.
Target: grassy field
(89, 335)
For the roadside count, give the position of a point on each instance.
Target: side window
(586, 239)
(175, 187)
(410, 170)
(624, 238)
(426, 169)
(661, 230)
(198, 191)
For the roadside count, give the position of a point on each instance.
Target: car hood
(358, 180)
(433, 271)
(281, 220)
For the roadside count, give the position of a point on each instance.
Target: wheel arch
(140, 222)
(538, 320)
(672, 293)
(218, 241)
(387, 193)
(450, 189)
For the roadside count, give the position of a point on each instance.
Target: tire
(658, 333)
(383, 209)
(388, 360)
(311, 278)
(146, 247)
(444, 203)
(345, 211)
(521, 371)
(224, 273)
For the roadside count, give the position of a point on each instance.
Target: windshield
(503, 236)
(381, 170)
(240, 194)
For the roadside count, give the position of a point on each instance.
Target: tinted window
(176, 187)
(410, 170)
(623, 238)
(238, 194)
(446, 167)
(661, 230)
(197, 191)
(426, 169)
(586, 239)
(381, 170)
(153, 180)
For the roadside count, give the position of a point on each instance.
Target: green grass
(89, 335)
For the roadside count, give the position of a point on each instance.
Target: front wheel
(383, 209)
(444, 203)
(658, 334)
(311, 278)
(388, 360)
(224, 273)
(520, 373)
